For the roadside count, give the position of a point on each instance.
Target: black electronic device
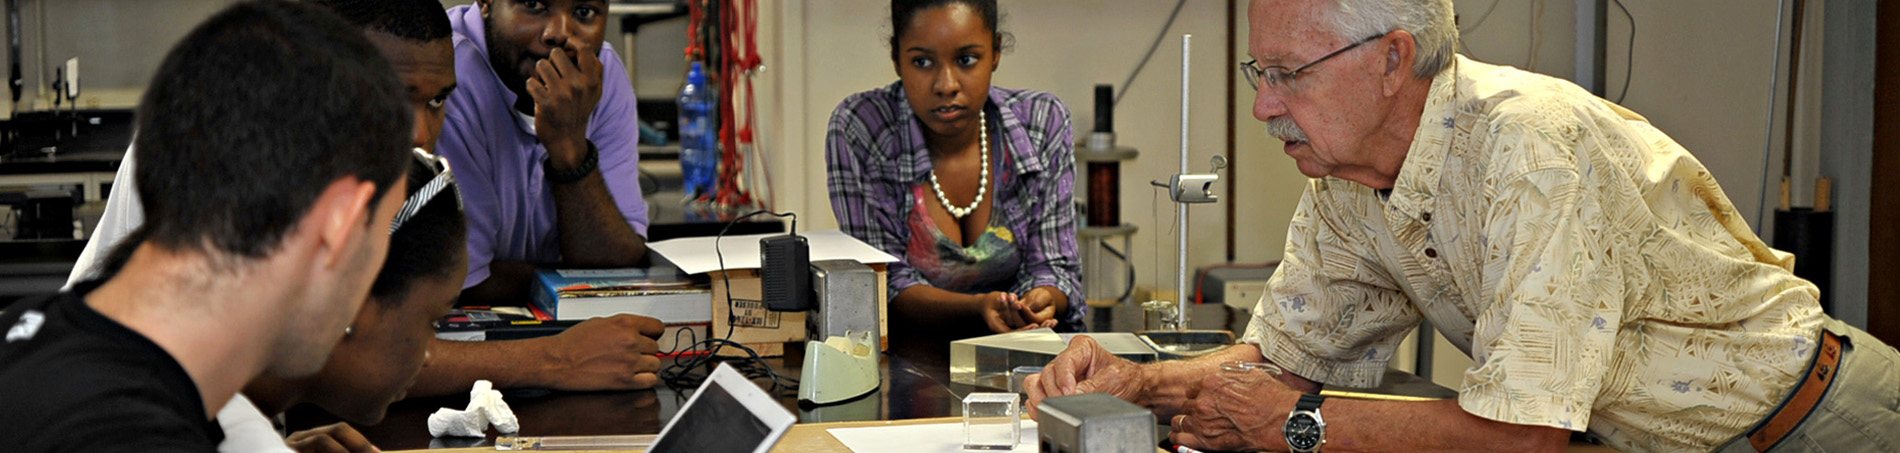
(785, 273)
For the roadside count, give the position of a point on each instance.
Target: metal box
(846, 300)
(1094, 423)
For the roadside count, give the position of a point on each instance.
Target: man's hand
(1086, 367)
(337, 438)
(613, 353)
(1004, 312)
(1040, 304)
(1235, 411)
(565, 88)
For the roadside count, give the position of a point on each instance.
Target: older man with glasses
(1588, 263)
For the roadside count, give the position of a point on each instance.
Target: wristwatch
(589, 163)
(1305, 430)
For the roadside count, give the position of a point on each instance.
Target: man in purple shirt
(542, 134)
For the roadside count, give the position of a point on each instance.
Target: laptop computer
(727, 414)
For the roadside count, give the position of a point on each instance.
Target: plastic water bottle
(699, 133)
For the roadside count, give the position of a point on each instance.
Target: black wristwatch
(588, 164)
(1305, 430)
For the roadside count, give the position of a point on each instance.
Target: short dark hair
(415, 20)
(902, 11)
(252, 115)
(429, 244)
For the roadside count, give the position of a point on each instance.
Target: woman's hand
(1004, 312)
(1043, 304)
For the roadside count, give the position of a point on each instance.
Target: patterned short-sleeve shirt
(1589, 264)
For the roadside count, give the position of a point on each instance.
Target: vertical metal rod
(1762, 211)
(1181, 209)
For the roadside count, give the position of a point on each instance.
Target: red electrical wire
(695, 13)
(732, 162)
(751, 64)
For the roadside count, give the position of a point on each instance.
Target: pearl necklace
(982, 185)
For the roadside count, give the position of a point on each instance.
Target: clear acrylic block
(991, 421)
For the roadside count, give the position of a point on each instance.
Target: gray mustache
(1284, 129)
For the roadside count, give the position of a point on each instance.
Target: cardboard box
(766, 331)
(739, 258)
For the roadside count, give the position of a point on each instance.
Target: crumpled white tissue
(484, 407)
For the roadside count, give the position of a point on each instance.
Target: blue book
(661, 293)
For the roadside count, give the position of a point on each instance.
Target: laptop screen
(715, 421)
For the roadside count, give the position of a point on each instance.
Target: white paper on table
(695, 255)
(932, 438)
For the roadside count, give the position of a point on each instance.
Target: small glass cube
(1018, 374)
(991, 421)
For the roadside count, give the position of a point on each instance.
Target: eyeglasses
(1279, 79)
(434, 162)
(444, 181)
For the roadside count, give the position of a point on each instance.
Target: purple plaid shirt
(875, 156)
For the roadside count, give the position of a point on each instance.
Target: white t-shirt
(247, 430)
(123, 214)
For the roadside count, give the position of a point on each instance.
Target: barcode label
(752, 313)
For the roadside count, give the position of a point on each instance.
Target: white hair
(1429, 22)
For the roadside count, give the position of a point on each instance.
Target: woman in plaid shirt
(970, 185)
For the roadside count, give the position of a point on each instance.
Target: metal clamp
(1194, 187)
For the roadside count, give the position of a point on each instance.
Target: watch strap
(589, 164)
(1309, 402)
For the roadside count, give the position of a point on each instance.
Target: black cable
(731, 311)
(679, 347)
(1629, 64)
(1151, 51)
(680, 375)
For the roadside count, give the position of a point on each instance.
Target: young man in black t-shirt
(268, 144)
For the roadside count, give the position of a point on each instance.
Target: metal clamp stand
(1185, 188)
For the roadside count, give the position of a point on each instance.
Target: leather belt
(1806, 397)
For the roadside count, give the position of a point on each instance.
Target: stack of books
(661, 293)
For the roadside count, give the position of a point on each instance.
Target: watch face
(1303, 432)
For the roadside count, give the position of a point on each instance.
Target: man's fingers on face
(536, 89)
(546, 71)
(589, 64)
(561, 60)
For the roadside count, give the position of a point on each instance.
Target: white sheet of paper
(695, 255)
(932, 438)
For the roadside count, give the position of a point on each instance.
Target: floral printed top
(1589, 264)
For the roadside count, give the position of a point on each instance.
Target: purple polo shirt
(498, 159)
